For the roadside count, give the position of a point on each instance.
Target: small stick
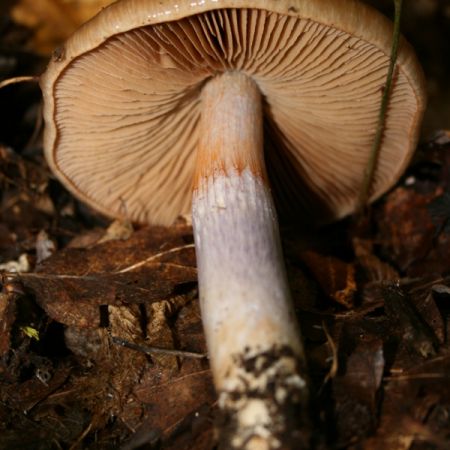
(334, 365)
(153, 257)
(376, 146)
(156, 350)
(79, 440)
(16, 80)
(417, 376)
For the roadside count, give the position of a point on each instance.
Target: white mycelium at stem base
(252, 336)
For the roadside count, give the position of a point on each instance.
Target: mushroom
(156, 107)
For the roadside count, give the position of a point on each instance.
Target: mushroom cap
(122, 101)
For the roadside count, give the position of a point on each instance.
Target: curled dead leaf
(335, 277)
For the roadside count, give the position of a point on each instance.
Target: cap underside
(126, 112)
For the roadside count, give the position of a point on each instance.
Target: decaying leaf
(335, 277)
(152, 265)
(159, 333)
(415, 402)
(119, 229)
(171, 397)
(356, 389)
(37, 388)
(374, 269)
(413, 221)
(407, 227)
(408, 324)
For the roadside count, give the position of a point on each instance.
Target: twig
(419, 376)
(376, 146)
(156, 350)
(334, 365)
(16, 80)
(79, 440)
(153, 257)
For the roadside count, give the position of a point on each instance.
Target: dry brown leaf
(335, 277)
(407, 324)
(31, 392)
(409, 237)
(415, 407)
(159, 331)
(356, 391)
(152, 265)
(173, 396)
(374, 268)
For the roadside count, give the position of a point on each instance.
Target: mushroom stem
(253, 340)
